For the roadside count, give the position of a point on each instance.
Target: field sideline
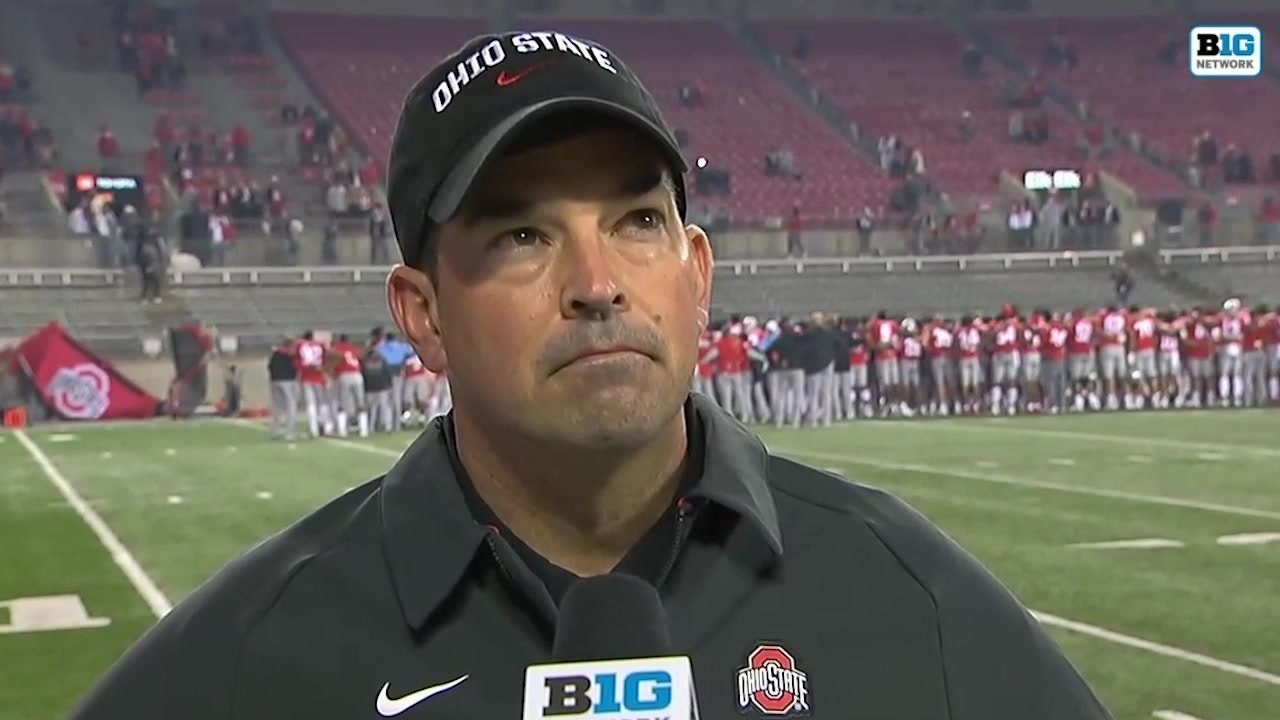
(1149, 543)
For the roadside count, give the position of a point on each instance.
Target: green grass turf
(1014, 491)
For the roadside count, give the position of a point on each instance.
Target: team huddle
(830, 369)
(378, 386)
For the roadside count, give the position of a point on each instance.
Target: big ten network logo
(635, 695)
(1226, 51)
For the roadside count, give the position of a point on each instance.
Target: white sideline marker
(1261, 538)
(174, 499)
(1065, 462)
(1142, 459)
(987, 464)
(1172, 715)
(1211, 456)
(61, 437)
(106, 455)
(170, 451)
(120, 555)
(264, 495)
(1135, 544)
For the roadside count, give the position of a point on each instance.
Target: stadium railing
(45, 277)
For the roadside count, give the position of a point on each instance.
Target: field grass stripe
(988, 427)
(123, 558)
(1023, 482)
(1156, 648)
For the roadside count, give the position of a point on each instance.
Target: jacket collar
(431, 539)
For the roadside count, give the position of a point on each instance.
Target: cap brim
(447, 201)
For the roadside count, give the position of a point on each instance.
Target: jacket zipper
(684, 508)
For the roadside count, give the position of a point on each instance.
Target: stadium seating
(744, 114)
(914, 89)
(1163, 103)
(106, 317)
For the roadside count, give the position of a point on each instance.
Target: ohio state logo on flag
(773, 684)
(80, 392)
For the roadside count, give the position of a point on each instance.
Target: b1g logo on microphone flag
(638, 689)
(773, 684)
(1226, 51)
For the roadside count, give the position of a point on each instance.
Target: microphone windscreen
(611, 617)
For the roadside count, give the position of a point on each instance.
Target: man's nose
(591, 288)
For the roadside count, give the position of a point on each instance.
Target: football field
(1149, 543)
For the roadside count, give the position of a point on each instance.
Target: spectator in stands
(1206, 219)
(781, 162)
(1051, 217)
(889, 148)
(150, 270)
(1269, 220)
(1237, 166)
(795, 229)
(1205, 149)
(1037, 127)
(379, 236)
(1094, 141)
(971, 60)
(1018, 126)
(8, 82)
(1169, 49)
(1061, 52)
(967, 130)
(220, 227)
(108, 148)
(329, 243)
(241, 140)
(1021, 224)
(915, 162)
(1122, 282)
(335, 198)
(866, 226)
(690, 94)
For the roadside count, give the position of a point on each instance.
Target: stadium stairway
(1146, 265)
(996, 49)
(804, 90)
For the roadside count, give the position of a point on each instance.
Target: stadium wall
(155, 375)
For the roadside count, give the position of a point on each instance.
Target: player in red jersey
(884, 334)
(1032, 361)
(1173, 386)
(940, 341)
(1005, 336)
(733, 372)
(1054, 337)
(1229, 327)
(310, 357)
(909, 365)
(703, 377)
(1198, 346)
(1144, 338)
(1113, 329)
(969, 363)
(1269, 319)
(1081, 364)
(417, 391)
(859, 367)
(349, 377)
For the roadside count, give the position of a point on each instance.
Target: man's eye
(518, 238)
(646, 219)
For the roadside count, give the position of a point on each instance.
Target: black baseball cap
(467, 110)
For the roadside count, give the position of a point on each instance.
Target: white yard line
(979, 425)
(1038, 484)
(123, 558)
(1156, 648)
(340, 442)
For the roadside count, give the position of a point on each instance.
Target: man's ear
(411, 298)
(704, 263)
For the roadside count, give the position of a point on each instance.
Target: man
(396, 352)
(377, 376)
(282, 373)
(551, 278)
(348, 378)
(310, 354)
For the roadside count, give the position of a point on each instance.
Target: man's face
(568, 299)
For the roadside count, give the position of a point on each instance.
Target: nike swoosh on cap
(388, 707)
(504, 79)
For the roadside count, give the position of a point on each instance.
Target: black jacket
(393, 587)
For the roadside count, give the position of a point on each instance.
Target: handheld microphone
(611, 658)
